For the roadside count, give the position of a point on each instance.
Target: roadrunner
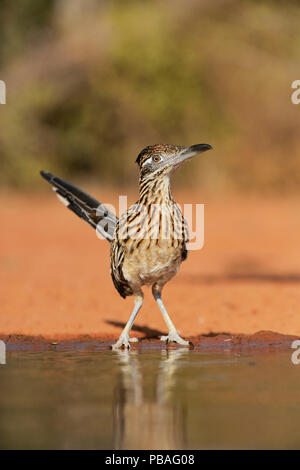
(149, 240)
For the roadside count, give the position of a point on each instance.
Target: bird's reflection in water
(144, 417)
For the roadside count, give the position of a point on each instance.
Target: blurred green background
(92, 82)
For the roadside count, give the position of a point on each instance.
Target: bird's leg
(173, 334)
(124, 339)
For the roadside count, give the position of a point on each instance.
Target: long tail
(84, 205)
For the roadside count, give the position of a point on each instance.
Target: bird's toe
(164, 338)
(174, 337)
(123, 342)
(133, 340)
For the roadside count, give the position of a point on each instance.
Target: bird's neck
(156, 191)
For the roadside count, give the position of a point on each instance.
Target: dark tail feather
(84, 205)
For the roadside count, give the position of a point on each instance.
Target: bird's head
(163, 159)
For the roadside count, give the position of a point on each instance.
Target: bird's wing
(84, 205)
(185, 239)
(117, 256)
(182, 231)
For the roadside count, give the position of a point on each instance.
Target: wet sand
(55, 283)
(262, 341)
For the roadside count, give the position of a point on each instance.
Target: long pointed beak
(188, 152)
(193, 150)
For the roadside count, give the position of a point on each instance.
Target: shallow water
(149, 399)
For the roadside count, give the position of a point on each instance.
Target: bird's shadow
(245, 269)
(288, 278)
(214, 334)
(149, 333)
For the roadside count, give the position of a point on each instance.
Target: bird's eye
(156, 158)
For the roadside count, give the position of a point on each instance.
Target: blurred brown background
(91, 82)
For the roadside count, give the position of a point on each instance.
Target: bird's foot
(173, 336)
(125, 341)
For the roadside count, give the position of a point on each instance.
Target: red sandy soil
(55, 281)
